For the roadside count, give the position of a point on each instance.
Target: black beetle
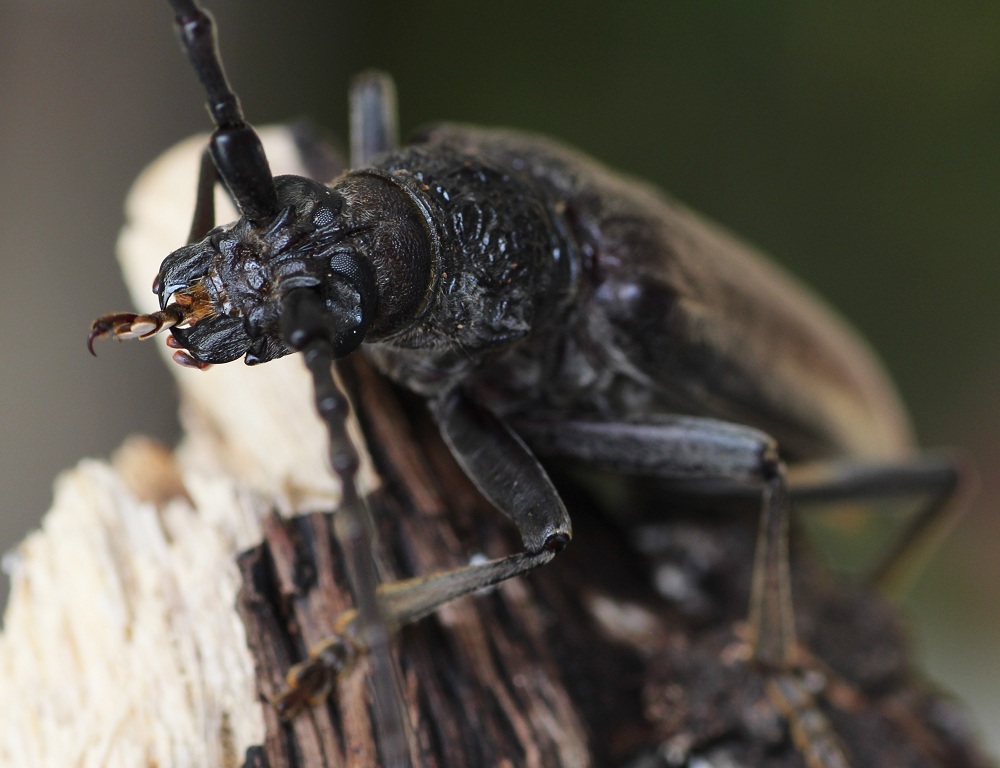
(542, 305)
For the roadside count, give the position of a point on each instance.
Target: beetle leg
(505, 471)
(723, 456)
(812, 734)
(772, 619)
(708, 451)
(400, 603)
(943, 480)
(374, 126)
(700, 451)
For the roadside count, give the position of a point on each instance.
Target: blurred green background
(857, 142)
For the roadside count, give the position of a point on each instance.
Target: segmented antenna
(236, 149)
(240, 162)
(305, 326)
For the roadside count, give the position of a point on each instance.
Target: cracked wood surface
(122, 643)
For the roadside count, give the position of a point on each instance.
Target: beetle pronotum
(542, 305)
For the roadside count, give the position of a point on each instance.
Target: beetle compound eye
(326, 212)
(323, 217)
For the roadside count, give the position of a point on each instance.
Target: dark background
(859, 143)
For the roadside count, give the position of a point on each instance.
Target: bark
(582, 662)
(122, 642)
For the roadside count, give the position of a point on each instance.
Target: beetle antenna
(235, 147)
(305, 327)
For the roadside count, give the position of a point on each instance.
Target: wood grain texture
(582, 662)
(168, 592)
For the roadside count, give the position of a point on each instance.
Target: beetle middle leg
(720, 457)
(717, 457)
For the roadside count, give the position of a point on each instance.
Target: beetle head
(223, 297)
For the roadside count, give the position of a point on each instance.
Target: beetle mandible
(543, 306)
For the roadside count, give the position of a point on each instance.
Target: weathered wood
(122, 644)
(581, 663)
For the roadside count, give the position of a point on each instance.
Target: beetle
(543, 306)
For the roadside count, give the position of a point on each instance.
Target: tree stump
(156, 612)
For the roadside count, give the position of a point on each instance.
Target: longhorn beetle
(543, 306)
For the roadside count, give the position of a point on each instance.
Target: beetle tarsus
(810, 730)
(311, 681)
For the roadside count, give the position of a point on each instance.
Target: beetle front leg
(507, 474)
(400, 603)
(505, 471)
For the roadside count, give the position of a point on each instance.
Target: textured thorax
(504, 266)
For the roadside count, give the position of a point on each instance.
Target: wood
(121, 645)
(137, 633)
(582, 662)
